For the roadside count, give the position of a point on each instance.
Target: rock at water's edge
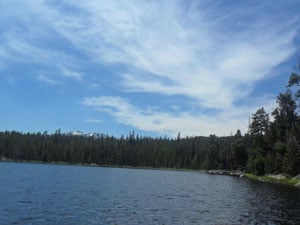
(297, 177)
(277, 176)
(226, 172)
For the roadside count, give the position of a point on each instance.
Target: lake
(62, 194)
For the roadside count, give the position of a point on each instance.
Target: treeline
(268, 147)
(191, 153)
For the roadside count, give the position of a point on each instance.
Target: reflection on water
(55, 194)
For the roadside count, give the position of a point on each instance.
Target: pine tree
(260, 123)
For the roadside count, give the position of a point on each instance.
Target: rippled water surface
(57, 194)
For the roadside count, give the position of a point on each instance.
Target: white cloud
(45, 79)
(91, 120)
(147, 119)
(71, 74)
(19, 51)
(29, 39)
(200, 47)
(204, 51)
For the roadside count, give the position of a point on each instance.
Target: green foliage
(260, 123)
(275, 146)
(291, 161)
(256, 163)
(268, 179)
(294, 80)
(181, 153)
(285, 114)
(238, 155)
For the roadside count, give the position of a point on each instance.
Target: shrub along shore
(270, 178)
(276, 179)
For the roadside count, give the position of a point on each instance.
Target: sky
(154, 67)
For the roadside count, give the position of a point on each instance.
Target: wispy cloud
(28, 39)
(188, 123)
(91, 120)
(43, 78)
(59, 63)
(71, 74)
(204, 50)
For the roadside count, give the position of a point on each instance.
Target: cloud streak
(188, 123)
(43, 78)
(91, 120)
(186, 45)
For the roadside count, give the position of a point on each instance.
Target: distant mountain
(80, 133)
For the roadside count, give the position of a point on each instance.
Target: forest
(269, 147)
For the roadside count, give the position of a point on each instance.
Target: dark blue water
(56, 194)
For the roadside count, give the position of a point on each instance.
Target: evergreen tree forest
(270, 146)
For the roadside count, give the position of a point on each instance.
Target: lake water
(57, 194)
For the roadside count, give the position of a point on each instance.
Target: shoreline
(268, 178)
(271, 178)
(276, 179)
(103, 166)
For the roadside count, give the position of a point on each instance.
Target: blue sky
(155, 67)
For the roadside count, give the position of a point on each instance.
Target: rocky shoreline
(236, 173)
(269, 178)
